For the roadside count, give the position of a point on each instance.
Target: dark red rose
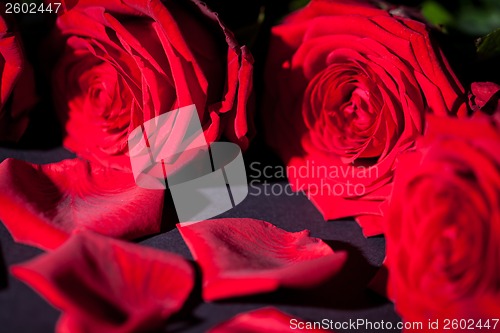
(443, 228)
(17, 90)
(121, 63)
(347, 87)
(106, 285)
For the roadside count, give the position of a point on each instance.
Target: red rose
(17, 90)
(349, 85)
(443, 228)
(121, 63)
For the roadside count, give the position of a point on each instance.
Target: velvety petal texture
(485, 97)
(443, 228)
(347, 88)
(269, 319)
(17, 88)
(106, 285)
(242, 256)
(41, 205)
(120, 63)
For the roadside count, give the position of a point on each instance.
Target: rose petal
(482, 93)
(42, 204)
(106, 285)
(267, 319)
(242, 256)
(372, 225)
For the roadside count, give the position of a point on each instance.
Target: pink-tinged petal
(41, 205)
(267, 319)
(107, 285)
(242, 256)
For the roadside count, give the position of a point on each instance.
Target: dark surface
(342, 298)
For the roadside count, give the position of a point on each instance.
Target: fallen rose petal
(242, 256)
(267, 319)
(107, 285)
(41, 205)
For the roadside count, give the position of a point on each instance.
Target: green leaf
(436, 14)
(477, 21)
(489, 46)
(297, 4)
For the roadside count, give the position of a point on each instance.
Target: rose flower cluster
(350, 85)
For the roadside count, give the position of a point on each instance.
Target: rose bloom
(347, 88)
(443, 228)
(121, 63)
(17, 90)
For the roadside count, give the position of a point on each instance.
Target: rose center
(346, 112)
(98, 85)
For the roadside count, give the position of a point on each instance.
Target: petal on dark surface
(267, 319)
(107, 285)
(41, 205)
(243, 256)
(372, 225)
